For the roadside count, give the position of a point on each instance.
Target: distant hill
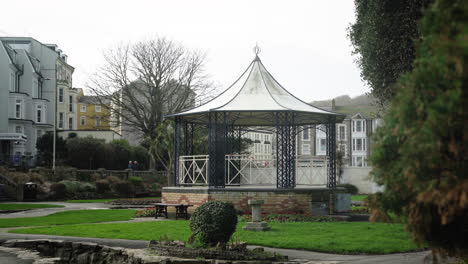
(344, 104)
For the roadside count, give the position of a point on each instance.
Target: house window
(18, 129)
(39, 113)
(341, 132)
(60, 124)
(359, 126)
(38, 133)
(305, 149)
(82, 108)
(82, 120)
(70, 123)
(60, 96)
(97, 108)
(98, 121)
(322, 145)
(70, 104)
(359, 144)
(18, 109)
(306, 134)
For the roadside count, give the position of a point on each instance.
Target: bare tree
(145, 81)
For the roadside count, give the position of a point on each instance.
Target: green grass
(105, 200)
(26, 206)
(334, 237)
(70, 217)
(358, 197)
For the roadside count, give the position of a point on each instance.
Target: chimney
(333, 106)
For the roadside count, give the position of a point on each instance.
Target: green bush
(36, 178)
(124, 189)
(113, 180)
(213, 222)
(76, 188)
(421, 151)
(137, 181)
(58, 190)
(352, 189)
(102, 186)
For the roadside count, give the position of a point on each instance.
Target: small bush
(113, 180)
(19, 177)
(125, 189)
(137, 181)
(36, 178)
(58, 190)
(352, 189)
(95, 177)
(76, 188)
(102, 186)
(148, 212)
(212, 223)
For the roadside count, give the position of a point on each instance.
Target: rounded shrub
(58, 190)
(102, 186)
(137, 181)
(125, 189)
(213, 222)
(352, 189)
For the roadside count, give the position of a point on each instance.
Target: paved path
(48, 211)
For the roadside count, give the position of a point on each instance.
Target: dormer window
(359, 125)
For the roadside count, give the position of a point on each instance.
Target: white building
(29, 77)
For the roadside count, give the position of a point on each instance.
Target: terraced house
(31, 73)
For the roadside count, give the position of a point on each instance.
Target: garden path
(48, 211)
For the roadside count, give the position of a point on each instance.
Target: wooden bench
(181, 210)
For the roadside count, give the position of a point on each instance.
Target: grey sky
(304, 43)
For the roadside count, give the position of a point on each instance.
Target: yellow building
(92, 113)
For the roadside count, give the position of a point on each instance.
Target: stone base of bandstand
(302, 199)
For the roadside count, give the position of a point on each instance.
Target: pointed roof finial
(257, 50)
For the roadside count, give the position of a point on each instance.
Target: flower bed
(134, 201)
(289, 217)
(148, 212)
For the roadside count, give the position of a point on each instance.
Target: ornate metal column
(188, 138)
(176, 150)
(331, 152)
(217, 149)
(285, 150)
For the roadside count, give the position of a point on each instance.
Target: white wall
(360, 178)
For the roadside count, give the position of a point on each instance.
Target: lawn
(70, 217)
(4, 206)
(333, 237)
(106, 200)
(358, 197)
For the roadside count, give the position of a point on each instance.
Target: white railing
(311, 171)
(193, 170)
(250, 169)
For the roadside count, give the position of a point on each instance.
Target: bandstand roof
(254, 98)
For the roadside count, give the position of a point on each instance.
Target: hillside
(350, 105)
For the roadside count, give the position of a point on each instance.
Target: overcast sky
(303, 44)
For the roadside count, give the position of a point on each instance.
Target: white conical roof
(255, 96)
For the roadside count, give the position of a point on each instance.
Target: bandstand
(286, 181)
